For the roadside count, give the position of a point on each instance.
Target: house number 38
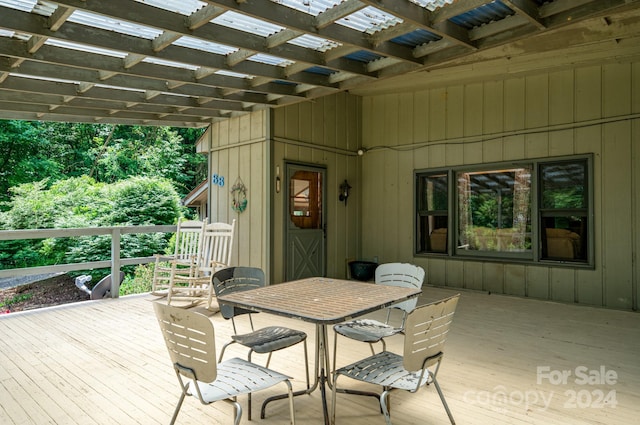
(217, 180)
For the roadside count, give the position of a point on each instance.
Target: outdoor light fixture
(344, 192)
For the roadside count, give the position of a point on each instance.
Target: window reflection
(494, 210)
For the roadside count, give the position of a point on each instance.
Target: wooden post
(115, 262)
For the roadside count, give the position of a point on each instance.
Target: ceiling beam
(343, 9)
(173, 23)
(203, 16)
(527, 9)
(293, 19)
(71, 32)
(413, 13)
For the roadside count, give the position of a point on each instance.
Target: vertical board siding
(515, 279)
(325, 133)
(565, 112)
(635, 178)
(238, 151)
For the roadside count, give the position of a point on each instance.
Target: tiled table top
(320, 300)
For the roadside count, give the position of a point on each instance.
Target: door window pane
(305, 203)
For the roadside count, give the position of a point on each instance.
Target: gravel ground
(10, 282)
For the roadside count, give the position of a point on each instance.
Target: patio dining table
(322, 301)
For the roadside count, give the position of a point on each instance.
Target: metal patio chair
(426, 331)
(190, 340)
(374, 331)
(264, 340)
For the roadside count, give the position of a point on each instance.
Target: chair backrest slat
(217, 246)
(401, 274)
(190, 340)
(235, 279)
(188, 240)
(426, 331)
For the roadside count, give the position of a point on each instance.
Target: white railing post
(115, 262)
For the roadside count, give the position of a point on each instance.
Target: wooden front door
(305, 222)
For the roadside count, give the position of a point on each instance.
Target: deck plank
(104, 362)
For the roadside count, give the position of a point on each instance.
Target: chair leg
(292, 412)
(178, 406)
(444, 402)
(237, 412)
(383, 405)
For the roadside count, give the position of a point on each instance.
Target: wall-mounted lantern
(344, 192)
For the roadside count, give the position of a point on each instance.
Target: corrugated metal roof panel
(319, 70)
(23, 5)
(206, 46)
(158, 61)
(316, 43)
(494, 11)
(432, 4)
(183, 7)
(84, 48)
(270, 60)
(416, 38)
(312, 7)
(248, 24)
(369, 20)
(284, 82)
(363, 56)
(121, 27)
(232, 74)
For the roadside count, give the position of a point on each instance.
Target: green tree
(35, 151)
(147, 151)
(23, 147)
(83, 202)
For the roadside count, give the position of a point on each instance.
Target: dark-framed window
(433, 212)
(535, 210)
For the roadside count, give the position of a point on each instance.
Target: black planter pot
(362, 270)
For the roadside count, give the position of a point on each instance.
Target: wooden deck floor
(104, 363)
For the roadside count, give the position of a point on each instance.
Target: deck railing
(114, 263)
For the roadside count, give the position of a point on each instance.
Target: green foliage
(140, 281)
(82, 202)
(489, 211)
(37, 151)
(16, 299)
(23, 155)
(67, 175)
(143, 200)
(564, 198)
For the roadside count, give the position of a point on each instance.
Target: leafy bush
(140, 281)
(82, 202)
